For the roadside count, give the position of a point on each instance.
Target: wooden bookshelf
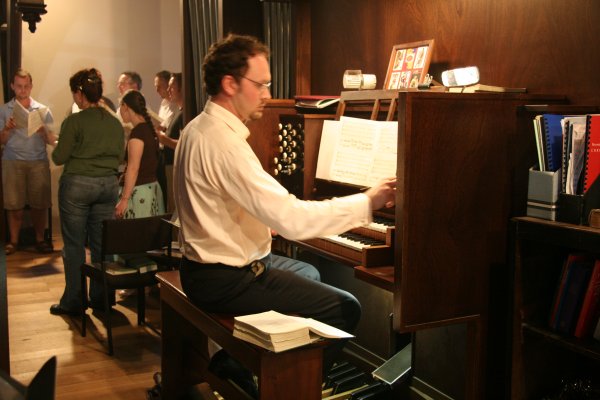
(541, 358)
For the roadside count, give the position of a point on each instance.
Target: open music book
(279, 332)
(357, 151)
(30, 120)
(156, 120)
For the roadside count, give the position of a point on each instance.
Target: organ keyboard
(368, 246)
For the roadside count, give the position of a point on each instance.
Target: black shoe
(56, 309)
(226, 367)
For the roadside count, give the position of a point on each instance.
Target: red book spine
(590, 309)
(571, 258)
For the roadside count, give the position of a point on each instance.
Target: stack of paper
(279, 332)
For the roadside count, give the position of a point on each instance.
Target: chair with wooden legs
(134, 238)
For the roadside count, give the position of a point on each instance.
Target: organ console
(462, 173)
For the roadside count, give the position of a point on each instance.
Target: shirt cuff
(360, 205)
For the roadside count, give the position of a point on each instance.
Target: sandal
(44, 247)
(10, 248)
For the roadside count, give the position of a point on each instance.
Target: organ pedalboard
(348, 382)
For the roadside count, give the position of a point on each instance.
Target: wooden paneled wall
(547, 46)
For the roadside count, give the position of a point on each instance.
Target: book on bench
(125, 264)
(279, 332)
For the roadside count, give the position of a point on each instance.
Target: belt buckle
(257, 268)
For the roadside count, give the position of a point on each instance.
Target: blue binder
(552, 131)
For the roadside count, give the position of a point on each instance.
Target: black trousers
(286, 285)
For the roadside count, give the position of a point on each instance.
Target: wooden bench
(293, 374)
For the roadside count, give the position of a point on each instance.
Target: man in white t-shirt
(167, 108)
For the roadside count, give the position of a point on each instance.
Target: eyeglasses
(260, 85)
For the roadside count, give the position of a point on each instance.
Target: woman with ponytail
(91, 147)
(141, 195)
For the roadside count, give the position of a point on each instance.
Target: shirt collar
(236, 125)
(33, 105)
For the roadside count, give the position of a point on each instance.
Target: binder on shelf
(592, 151)
(566, 140)
(542, 193)
(574, 154)
(552, 134)
(539, 143)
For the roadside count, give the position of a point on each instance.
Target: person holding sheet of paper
(168, 140)
(167, 108)
(26, 130)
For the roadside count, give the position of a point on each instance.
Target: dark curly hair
(229, 57)
(89, 82)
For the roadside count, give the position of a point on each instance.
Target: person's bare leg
(15, 219)
(38, 218)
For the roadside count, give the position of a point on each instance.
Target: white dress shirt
(166, 112)
(227, 203)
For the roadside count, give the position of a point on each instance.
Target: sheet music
(154, 117)
(30, 120)
(329, 138)
(384, 165)
(357, 151)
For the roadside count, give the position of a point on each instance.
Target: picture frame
(409, 64)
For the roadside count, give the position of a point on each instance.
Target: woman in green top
(90, 146)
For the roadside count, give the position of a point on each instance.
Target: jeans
(84, 202)
(286, 285)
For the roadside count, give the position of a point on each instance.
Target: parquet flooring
(85, 370)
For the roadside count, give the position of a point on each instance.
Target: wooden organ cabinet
(462, 173)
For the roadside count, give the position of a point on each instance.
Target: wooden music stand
(368, 102)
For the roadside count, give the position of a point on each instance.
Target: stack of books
(576, 307)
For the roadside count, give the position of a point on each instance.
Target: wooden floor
(85, 370)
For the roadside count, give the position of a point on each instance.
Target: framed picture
(409, 64)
